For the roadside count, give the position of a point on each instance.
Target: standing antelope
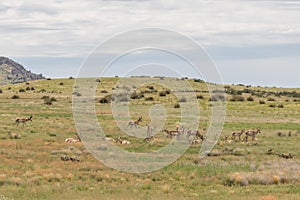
(171, 133)
(252, 133)
(135, 123)
(23, 120)
(195, 133)
(237, 134)
(149, 131)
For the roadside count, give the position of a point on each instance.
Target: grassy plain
(31, 167)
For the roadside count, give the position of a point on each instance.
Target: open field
(31, 166)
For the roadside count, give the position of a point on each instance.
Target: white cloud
(72, 28)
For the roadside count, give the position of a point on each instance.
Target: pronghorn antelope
(252, 133)
(135, 123)
(122, 141)
(195, 133)
(14, 136)
(171, 133)
(149, 131)
(237, 134)
(23, 120)
(72, 140)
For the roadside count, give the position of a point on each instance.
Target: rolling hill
(12, 72)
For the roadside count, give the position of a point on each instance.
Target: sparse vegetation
(42, 165)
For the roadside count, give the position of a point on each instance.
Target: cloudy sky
(250, 41)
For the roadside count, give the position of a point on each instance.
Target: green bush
(21, 90)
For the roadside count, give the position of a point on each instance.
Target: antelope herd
(249, 133)
(177, 132)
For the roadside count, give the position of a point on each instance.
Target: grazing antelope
(237, 134)
(23, 120)
(135, 123)
(171, 133)
(252, 133)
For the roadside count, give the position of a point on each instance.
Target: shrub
(15, 97)
(149, 99)
(279, 134)
(217, 97)
(45, 97)
(137, 95)
(1, 91)
(199, 97)
(70, 77)
(168, 91)
(198, 81)
(104, 91)
(150, 87)
(9, 88)
(21, 90)
(182, 99)
(76, 94)
(162, 93)
(280, 106)
(270, 99)
(106, 99)
(176, 105)
(262, 102)
(272, 105)
(237, 98)
(98, 80)
(61, 83)
(48, 79)
(48, 100)
(121, 97)
(53, 99)
(42, 90)
(250, 98)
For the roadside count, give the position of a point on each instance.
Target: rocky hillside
(12, 72)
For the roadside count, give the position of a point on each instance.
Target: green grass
(31, 167)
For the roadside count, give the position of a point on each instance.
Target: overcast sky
(251, 42)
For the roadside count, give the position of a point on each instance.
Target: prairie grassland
(31, 167)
